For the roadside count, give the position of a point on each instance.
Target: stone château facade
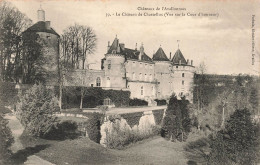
(124, 69)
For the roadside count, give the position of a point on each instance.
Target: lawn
(83, 151)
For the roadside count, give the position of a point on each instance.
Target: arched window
(182, 74)
(98, 82)
(142, 90)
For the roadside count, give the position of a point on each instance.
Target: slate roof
(40, 27)
(160, 55)
(117, 48)
(177, 57)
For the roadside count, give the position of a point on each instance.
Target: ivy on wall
(132, 119)
(158, 116)
(93, 97)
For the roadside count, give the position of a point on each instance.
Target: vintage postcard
(129, 82)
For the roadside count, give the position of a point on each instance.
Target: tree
(177, 121)
(237, 143)
(6, 139)
(35, 110)
(12, 23)
(32, 60)
(77, 43)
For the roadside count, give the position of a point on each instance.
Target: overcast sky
(223, 42)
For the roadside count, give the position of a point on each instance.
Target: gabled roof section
(114, 47)
(117, 48)
(40, 27)
(134, 54)
(178, 56)
(160, 55)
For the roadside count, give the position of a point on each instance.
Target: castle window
(142, 90)
(140, 76)
(145, 77)
(176, 66)
(133, 75)
(182, 82)
(182, 74)
(98, 82)
(109, 64)
(151, 77)
(108, 78)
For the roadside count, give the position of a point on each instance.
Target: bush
(160, 102)
(137, 102)
(6, 140)
(35, 110)
(93, 127)
(237, 143)
(121, 135)
(63, 130)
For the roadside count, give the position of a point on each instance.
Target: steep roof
(178, 56)
(117, 48)
(160, 55)
(40, 27)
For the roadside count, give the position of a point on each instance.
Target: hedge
(158, 116)
(93, 126)
(93, 97)
(137, 102)
(160, 102)
(132, 119)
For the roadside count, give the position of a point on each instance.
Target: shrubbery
(35, 111)
(137, 102)
(93, 126)
(6, 140)
(93, 97)
(121, 135)
(160, 102)
(237, 143)
(176, 123)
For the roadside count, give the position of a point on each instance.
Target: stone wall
(145, 125)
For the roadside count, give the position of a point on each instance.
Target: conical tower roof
(160, 55)
(178, 56)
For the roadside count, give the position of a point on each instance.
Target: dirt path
(17, 130)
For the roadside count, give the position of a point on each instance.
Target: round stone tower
(49, 40)
(183, 76)
(115, 74)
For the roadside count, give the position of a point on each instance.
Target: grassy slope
(83, 151)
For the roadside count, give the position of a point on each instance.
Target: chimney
(141, 51)
(188, 61)
(41, 14)
(170, 55)
(179, 62)
(191, 62)
(48, 25)
(118, 47)
(135, 46)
